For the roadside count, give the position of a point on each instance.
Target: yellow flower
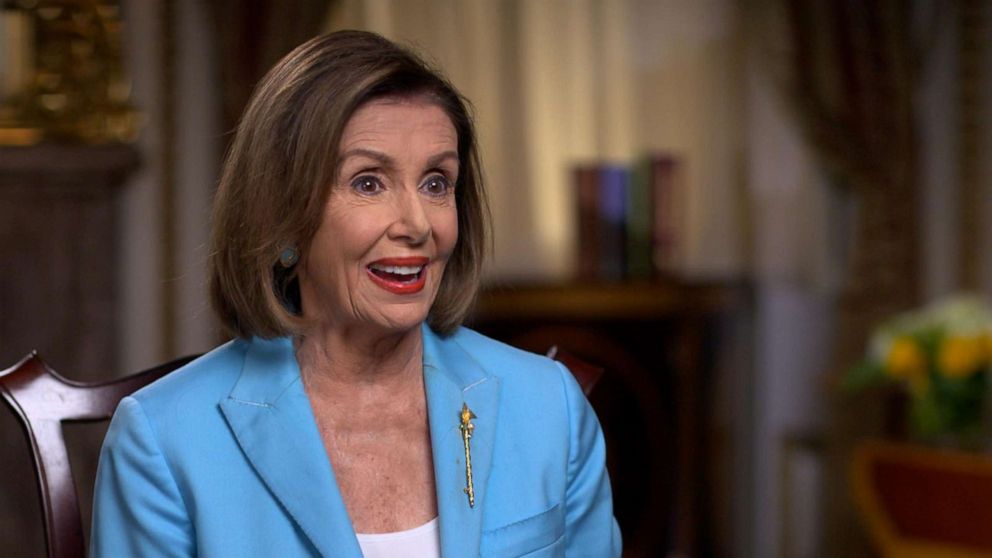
(905, 359)
(961, 357)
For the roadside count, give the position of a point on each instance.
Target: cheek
(352, 233)
(446, 230)
(338, 246)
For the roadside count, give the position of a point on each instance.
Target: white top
(419, 542)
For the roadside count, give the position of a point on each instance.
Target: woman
(348, 236)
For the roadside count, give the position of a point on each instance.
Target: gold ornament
(467, 427)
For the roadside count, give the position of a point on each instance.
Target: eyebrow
(388, 162)
(436, 160)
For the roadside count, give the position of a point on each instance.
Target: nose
(411, 223)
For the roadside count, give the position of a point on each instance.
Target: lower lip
(400, 287)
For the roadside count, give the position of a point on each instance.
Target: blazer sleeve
(137, 507)
(590, 528)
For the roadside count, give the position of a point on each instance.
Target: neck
(343, 360)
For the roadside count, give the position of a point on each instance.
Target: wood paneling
(58, 294)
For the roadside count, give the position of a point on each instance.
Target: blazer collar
(270, 415)
(452, 378)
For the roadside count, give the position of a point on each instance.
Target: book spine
(613, 186)
(640, 221)
(666, 185)
(587, 195)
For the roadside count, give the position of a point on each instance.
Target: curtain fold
(855, 67)
(853, 76)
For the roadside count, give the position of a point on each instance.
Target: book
(640, 221)
(601, 194)
(630, 218)
(613, 186)
(586, 180)
(667, 176)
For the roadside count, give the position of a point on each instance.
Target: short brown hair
(283, 159)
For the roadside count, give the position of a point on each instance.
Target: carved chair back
(43, 401)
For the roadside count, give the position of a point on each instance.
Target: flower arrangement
(942, 356)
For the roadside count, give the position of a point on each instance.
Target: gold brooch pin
(467, 427)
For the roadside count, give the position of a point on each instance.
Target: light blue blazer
(223, 458)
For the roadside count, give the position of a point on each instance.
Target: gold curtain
(854, 69)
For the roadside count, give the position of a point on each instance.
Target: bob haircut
(284, 159)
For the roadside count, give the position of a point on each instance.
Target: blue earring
(289, 256)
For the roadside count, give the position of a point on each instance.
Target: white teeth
(398, 269)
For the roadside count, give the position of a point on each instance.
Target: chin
(400, 316)
(401, 322)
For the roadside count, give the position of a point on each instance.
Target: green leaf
(865, 374)
(927, 418)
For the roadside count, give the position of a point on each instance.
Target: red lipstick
(400, 276)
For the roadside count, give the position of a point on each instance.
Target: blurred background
(720, 202)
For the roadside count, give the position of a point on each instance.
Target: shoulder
(208, 377)
(527, 380)
(184, 405)
(179, 416)
(509, 364)
(488, 349)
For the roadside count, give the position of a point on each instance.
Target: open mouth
(399, 275)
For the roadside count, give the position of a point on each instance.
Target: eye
(436, 185)
(367, 185)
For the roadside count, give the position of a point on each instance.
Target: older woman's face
(390, 223)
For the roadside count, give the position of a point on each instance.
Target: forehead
(403, 118)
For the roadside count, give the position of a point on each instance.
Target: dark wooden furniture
(44, 402)
(586, 373)
(59, 244)
(658, 341)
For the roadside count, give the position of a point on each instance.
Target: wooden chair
(43, 401)
(586, 373)
(919, 502)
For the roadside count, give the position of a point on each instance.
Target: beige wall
(688, 64)
(558, 82)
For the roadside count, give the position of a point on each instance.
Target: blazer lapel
(271, 417)
(452, 378)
